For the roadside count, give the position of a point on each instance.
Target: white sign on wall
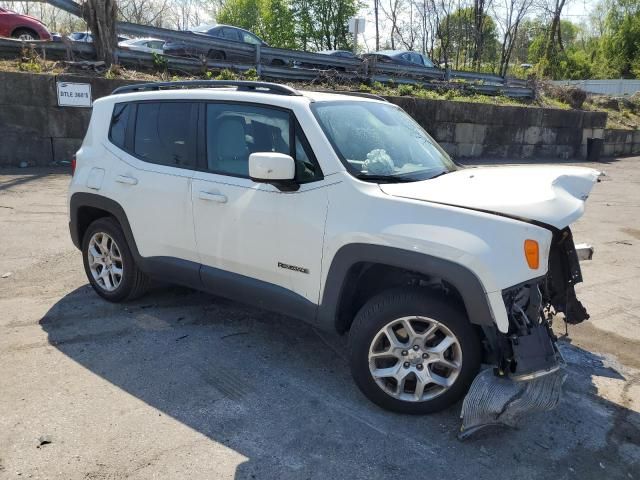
(74, 94)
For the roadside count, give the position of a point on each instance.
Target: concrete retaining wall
(493, 131)
(621, 142)
(35, 130)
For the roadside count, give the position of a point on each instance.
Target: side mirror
(275, 168)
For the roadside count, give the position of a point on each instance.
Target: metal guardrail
(273, 62)
(476, 77)
(433, 78)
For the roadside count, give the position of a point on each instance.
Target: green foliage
(160, 62)
(458, 39)
(304, 24)
(614, 53)
(226, 74)
(251, 74)
(323, 24)
(621, 42)
(405, 90)
(30, 61)
(241, 13)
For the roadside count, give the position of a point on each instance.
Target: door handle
(212, 196)
(127, 180)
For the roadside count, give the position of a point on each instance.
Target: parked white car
(338, 210)
(149, 45)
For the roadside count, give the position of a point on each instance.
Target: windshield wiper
(444, 172)
(384, 178)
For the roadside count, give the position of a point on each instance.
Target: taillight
(73, 165)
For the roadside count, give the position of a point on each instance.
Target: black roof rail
(243, 85)
(373, 96)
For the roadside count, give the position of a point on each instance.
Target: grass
(621, 119)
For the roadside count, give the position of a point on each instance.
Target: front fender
(476, 301)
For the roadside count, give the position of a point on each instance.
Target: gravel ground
(181, 384)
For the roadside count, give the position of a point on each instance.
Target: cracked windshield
(381, 142)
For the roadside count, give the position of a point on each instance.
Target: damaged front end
(527, 375)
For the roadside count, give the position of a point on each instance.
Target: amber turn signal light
(532, 253)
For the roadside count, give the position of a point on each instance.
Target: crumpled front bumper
(528, 374)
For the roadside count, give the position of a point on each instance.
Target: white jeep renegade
(338, 210)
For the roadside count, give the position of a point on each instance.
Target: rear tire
(109, 264)
(216, 55)
(398, 334)
(25, 34)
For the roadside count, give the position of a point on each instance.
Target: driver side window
(235, 131)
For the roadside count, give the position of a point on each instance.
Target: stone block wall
(494, 131)
(621, 142)
(33, 128)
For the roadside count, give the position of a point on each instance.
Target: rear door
(154, 146)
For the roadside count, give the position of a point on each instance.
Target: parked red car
(20, 26)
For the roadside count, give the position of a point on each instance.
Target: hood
(29, 17)
(553, 195)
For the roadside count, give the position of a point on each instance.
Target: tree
(376, 16)
(553, 42)
(393, 12)
(323, 24)
(459, 38)
(241, 13)
(100, 16)
(621, 41)
(479, 16)
(513, 12)
(442, 10)
(146, 12)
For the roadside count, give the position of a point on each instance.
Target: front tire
(25, 34)
(413, 352)
(109, 264)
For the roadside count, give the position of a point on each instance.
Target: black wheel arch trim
(464, 280)
(280, 299)
(84, 199)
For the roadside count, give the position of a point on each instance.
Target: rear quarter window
(118, 127)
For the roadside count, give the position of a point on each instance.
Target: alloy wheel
(415, 359)
(105, 261)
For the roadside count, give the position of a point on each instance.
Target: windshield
(378, 141)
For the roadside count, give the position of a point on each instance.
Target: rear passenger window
(164, 134)
(118, 129)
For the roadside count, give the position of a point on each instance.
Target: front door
(253, 239)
